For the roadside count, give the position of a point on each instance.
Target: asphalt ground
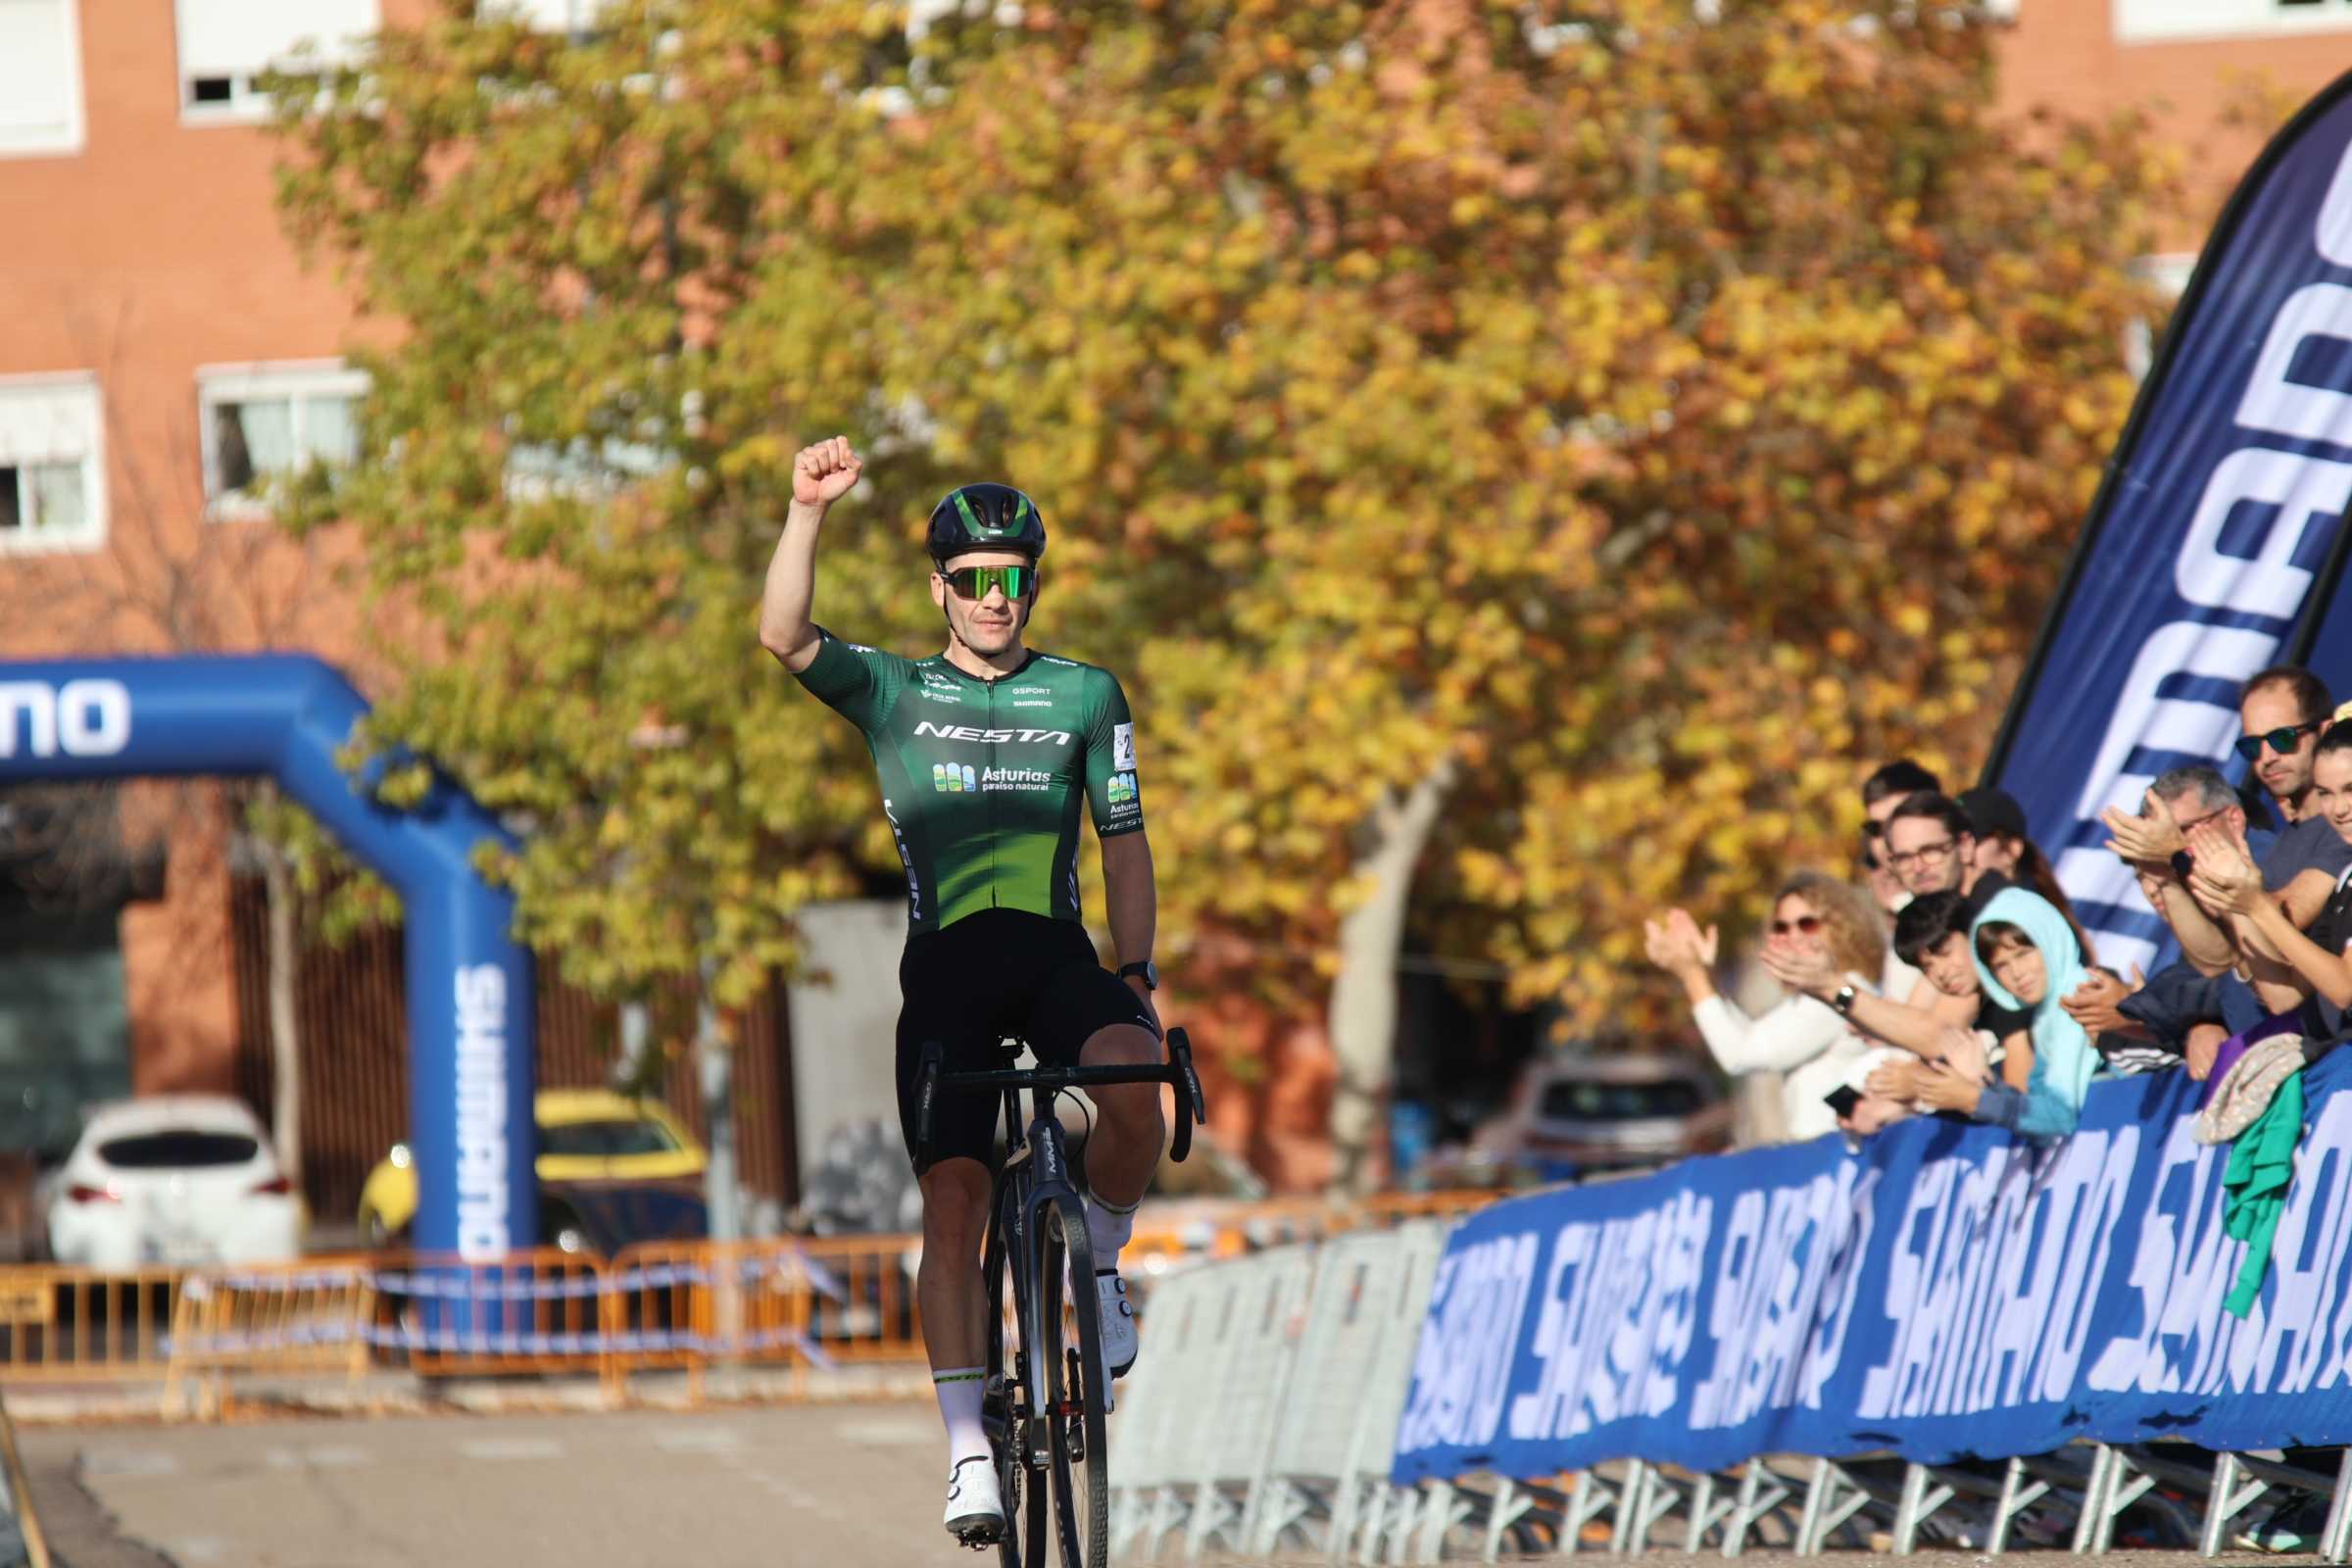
(804, 1486)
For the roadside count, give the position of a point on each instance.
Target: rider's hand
(823, 473)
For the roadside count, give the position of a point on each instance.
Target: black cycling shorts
(995, 974)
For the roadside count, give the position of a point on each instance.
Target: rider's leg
(1123, 1149)
(948, 1288)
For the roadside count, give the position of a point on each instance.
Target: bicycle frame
(1030, 1191)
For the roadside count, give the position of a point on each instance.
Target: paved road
(794, 1487)
(833, 1483)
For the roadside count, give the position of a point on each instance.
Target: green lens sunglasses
(975, 583)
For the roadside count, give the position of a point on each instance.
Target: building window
(265, 420)
(548, 16)
(226, 46)
(52, 463)
(40, 78)
(2163, 21)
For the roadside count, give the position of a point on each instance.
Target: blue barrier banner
(2216, 544)
(1947, 1289)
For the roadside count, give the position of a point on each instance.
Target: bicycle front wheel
(1071, 1348)
(1014, 1390)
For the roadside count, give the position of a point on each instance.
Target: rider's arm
(785, 629)
(1132, 895)
(1116, 803)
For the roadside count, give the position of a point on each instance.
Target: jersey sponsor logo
(1122, 746)
(950, 779)
(1033, 704)
(938, 696)
(1121, 789)
(1029, 691)
(1015, 778)
(993, 736)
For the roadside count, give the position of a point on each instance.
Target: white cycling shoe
(1116, 1320)
(975, 1507)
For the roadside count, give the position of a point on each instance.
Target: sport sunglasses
(975, 583)
(2283, 741)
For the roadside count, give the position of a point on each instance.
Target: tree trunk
(285, 1045)
(1362, 1018)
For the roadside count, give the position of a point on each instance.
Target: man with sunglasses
(987, 751)
(2281, 710)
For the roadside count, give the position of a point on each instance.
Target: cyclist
(984, 752)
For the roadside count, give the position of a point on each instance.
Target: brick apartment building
(165, 345)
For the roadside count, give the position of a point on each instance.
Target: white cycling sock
(958, 1390)
(1108, 1227)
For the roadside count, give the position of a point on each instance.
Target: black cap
(1994, 813)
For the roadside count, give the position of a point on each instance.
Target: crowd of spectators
(1950, 975)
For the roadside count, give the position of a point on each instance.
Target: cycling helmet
(986, 516)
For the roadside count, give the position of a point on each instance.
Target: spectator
(2224, 876)
(2279, 710)
(1931, 846)
(2026, 958)
(1800, 1038)
(1932, 933)
(2005, 845)
(1881, 792)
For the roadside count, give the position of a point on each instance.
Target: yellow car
(613, 1169)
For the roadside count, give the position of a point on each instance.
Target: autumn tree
(1528, 459)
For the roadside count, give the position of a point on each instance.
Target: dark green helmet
(986, 516)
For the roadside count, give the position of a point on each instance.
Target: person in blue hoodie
(2027, 959)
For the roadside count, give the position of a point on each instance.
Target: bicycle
(1043, 1410)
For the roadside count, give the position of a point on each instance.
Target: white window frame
(578, 15)
(75, 137)
(2144, 21)
(245, 104)
(92, 534)
(292, 380)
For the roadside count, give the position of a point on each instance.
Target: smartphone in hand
(1842, 1099)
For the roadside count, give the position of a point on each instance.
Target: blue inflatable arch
(470, 984)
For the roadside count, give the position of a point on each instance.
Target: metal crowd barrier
(76, 1325)
(802, 1303)
(1262, 1415)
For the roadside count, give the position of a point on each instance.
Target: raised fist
(823, 473)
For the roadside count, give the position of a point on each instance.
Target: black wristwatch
(1843, 1001)
(1144, 967)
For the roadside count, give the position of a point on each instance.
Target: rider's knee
(954, 1203)
(1134, 1107)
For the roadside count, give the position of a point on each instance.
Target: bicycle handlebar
(1176, 1072)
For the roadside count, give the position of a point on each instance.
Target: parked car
(1572, 1114)
(613, 1169)
(172, 1179)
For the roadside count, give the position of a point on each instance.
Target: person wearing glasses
(2281, 710)
(1931, 846)
(1885, 790)
(987, 752)
(1800, 1038)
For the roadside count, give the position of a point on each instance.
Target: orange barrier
(804, 1302)
(76, 1325)
(279, 1319)
(540, 1310)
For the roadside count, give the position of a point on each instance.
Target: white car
(175, 1179)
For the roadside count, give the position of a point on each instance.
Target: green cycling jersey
(981, 778)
